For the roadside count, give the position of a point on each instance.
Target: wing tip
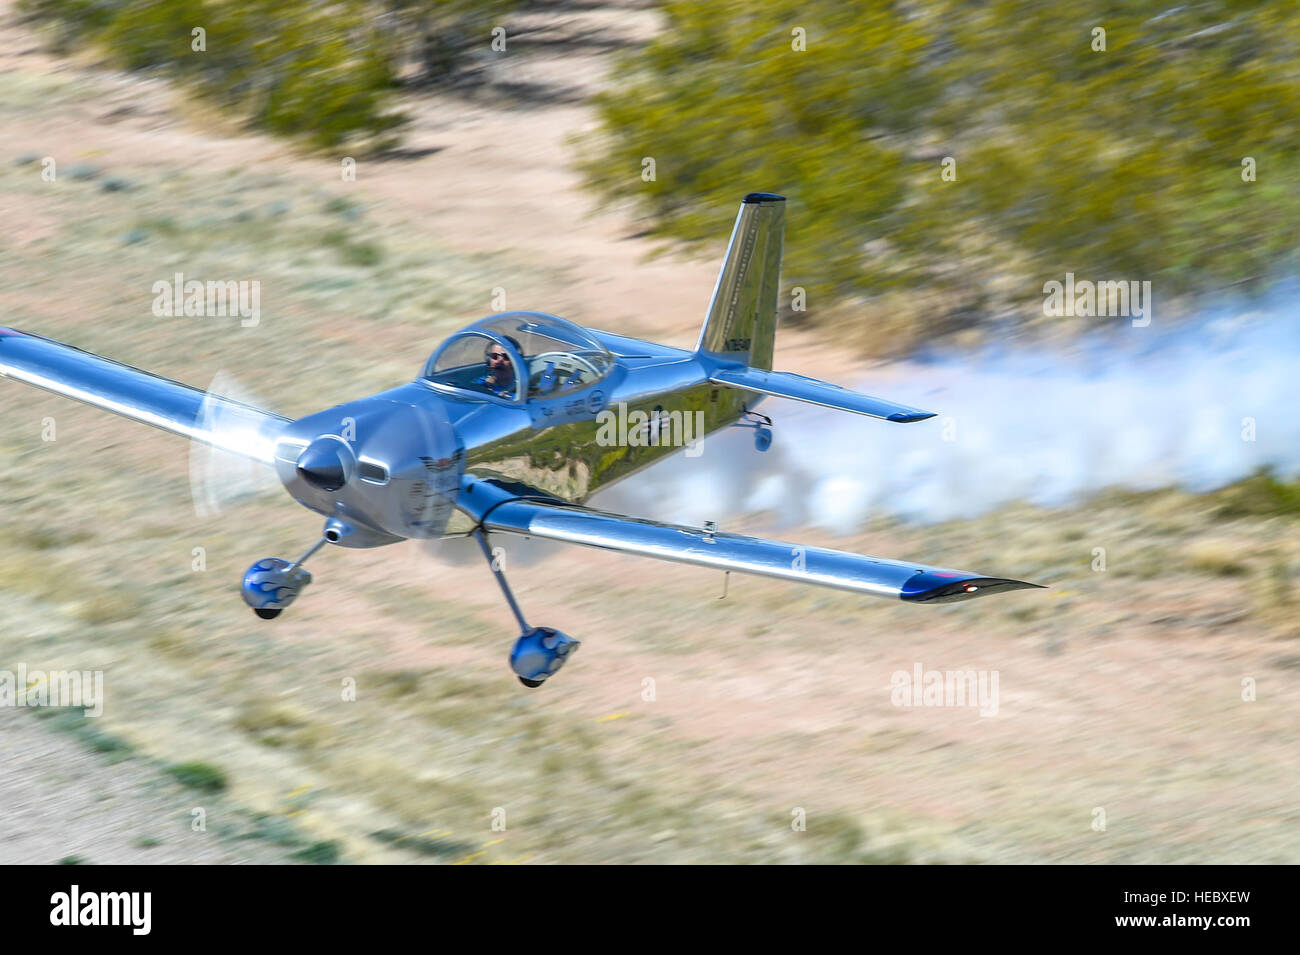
(907, 417)
(937, 587)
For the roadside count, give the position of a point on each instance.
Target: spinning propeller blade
(219, 479)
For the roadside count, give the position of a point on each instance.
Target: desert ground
(688, 728)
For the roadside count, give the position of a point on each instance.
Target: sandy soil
(66, 803)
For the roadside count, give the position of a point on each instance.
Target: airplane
(506, 431)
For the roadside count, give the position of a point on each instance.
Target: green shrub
(319, 853)
(198, 776)
(1260, 495)
(1122, 164)
(294, 68)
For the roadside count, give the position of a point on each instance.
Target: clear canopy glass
(553, 355)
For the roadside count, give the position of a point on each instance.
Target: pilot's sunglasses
(497, 356)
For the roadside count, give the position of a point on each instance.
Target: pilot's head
(499, 366)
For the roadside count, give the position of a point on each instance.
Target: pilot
(499, 379)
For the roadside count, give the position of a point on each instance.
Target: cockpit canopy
(553, 355)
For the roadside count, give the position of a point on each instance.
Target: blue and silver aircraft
(509, 429)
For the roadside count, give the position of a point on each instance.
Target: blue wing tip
(906, 417)
(932, 586)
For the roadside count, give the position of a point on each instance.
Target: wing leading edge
(132, 393)
(499, 511)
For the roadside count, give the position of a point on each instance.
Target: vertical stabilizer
(741, 323)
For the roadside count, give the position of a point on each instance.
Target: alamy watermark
(130, 909)
(1090, 299)
(70, 688)
(924, 687)
(195, 299)
(656, 428)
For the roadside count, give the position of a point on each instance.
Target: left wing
(500, 509)
(223, 423)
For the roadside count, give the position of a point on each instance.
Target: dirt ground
(1120, 695)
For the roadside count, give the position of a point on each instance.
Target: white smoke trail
(1136, 408)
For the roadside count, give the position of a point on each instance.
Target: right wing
(501, 509)
(132, 393)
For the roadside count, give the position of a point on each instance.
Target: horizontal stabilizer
(501, 511)
(783, 384)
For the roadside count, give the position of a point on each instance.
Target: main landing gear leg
(540, 651)
(762, 426)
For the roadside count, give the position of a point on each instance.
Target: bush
(1260, 495)
(294, 68)
(198, 776)
(319, 853)
(1116, 164)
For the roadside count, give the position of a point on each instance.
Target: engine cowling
(384, 468)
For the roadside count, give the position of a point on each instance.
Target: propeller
(220, 479)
